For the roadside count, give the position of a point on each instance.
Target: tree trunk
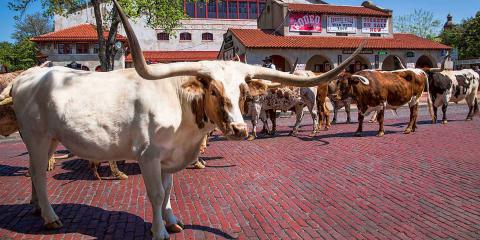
(101, 39)
(111, 50)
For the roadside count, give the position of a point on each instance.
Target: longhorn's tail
(429, 99)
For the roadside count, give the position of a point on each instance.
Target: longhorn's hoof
(407, 131)
(469, 119)
(174, 228)
(358, 134)
(250, 138)
(380, 134)
(334, 122)
(198, 165)
(348, 122)
(53, 225)
(121, 176)
(272, 133)
(444, 122)
(293, 133)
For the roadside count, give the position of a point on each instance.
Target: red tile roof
(177, 56)
(335, 9)
(79, 33)
(255, 38)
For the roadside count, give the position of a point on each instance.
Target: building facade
(321, 36)
(76, 47)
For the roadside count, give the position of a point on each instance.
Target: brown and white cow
(381, 90)
(154, 114)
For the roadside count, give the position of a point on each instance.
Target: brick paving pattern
(420, 186)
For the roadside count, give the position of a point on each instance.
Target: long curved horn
(362, 79)
(294, 66)
(153, 72)
(301, 81)
(399, 62)
(443, 65)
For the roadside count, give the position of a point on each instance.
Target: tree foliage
(465, 37)
(30, 26)
(420, 23)
(18, 56)
(163, 14)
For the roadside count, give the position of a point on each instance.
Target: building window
(185, 36)
(261, 7)
(190, 9)
(207, 37)
(83, 48)
(232, 10)
(64, 48)
(243, 10)
(222, 9)
(253, 11)
(163, 36)
(201, 9)
(212, 9)
(96, 48)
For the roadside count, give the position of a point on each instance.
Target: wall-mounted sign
(410, 54)
(304, 22)
(341, 24)
(374, 25)
(350, 51)
(410, 65)
(382, 53)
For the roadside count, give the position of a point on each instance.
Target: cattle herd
(163, 124)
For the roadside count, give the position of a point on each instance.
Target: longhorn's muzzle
(237, 131)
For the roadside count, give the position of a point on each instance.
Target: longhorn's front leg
(153, 178)
(347, 110)
(173, 225)
(358, 133)
(380, 118)
(299, 117)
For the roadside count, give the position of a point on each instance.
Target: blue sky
(460, 9)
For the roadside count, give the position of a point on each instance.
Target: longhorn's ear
(196, 88)
(257, 88)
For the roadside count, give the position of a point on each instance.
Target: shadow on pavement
(12, 171)
(79, 169)
(86, 220)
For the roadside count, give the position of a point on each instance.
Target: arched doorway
(318, 63)
(281, 63)
(358, 64)
(390, 63)
(424, 62)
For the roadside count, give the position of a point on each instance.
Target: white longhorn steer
(120, 115)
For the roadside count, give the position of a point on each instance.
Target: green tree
(465, 37)
(163, 14)
(18, 56)
(420, 23)
(30, 26)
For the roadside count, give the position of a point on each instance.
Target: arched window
(207, 37)
(185, 36)
(163, 36)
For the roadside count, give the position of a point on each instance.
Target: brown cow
(381, 90)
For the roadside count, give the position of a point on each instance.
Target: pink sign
(304, 22)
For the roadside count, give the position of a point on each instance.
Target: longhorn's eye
(213, 93)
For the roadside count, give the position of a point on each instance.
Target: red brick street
(334, 186)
